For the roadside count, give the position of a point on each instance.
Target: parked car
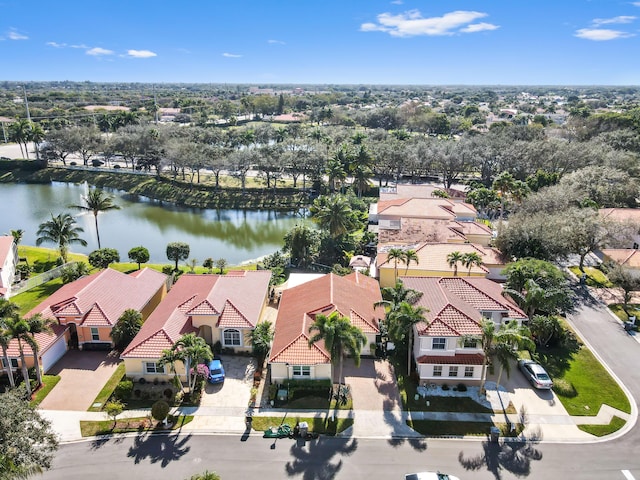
(429, 476)
(216, 371)
(537, 376)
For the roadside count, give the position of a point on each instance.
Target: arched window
(231, 338)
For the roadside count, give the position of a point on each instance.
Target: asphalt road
(179, 457)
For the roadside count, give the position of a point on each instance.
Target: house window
(437, 370)
(152, 367)
(95, 334)
(469, 343)
(439, 343)
(231, 338)
(468, 372)
(301, 371)
(453, 371)
(13, 361)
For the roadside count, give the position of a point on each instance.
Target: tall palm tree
(453, 259)
(471, 259)
(510, 336)
(536, 298)
(392, 297)
(170, 357)
(340, 338)
(17, 235)
(97, 201)
(37, 324)
(61, 230)
(401, 323)
(18, 328)
(410, 256)
(19, 132)
(7, 310)
(261, 338)
(193, 349)
(334, 214)
(36, 135)
(504, 183)
(397, 255)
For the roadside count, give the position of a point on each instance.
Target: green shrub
(123, 390)
(564, 388)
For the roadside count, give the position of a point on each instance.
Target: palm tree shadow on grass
(314, 461)
(159, 448)
(514, 457)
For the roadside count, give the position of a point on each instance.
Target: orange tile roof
(436, 208)
(353, 296)
(628, 257)
(239, 296)
(458, 359)
(621, 214)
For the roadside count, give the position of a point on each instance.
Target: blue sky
(491, 42)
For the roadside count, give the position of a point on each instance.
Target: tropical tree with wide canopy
(334, 214)
(193, 350)
(340, 338)
(61, 230)
(400, 324)
(96, 201)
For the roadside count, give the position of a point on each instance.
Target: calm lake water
(234, 235)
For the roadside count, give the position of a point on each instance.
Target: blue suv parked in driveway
(216, 371)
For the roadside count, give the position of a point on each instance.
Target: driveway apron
(82, 376)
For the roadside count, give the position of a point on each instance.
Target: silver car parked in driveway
(537, 376)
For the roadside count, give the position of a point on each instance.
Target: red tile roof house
(456, 308)
(85, 311)
(216, 307)
(353, 296)
(8, 262)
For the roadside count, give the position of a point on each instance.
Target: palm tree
(392, 297)
(7, 310)
(410, 256)
(18, 328)
(471, 259)
(395, 254)
(510, 337)
(452, 259)
(19, 132)
(36, 135)
(401, 323)
(193, 349)
(17, 235)
(340, 338)
(537, 298)
(97, 201)
(170, 357)
(261, 338)
(61, 230)
(334, 214)
(37, 324)
(504, 183)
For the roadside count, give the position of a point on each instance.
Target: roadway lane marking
(627, 475)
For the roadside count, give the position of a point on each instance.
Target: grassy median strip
(126, 425)
(48, 382)
(316, 424)
(108, 389)
(601, 430)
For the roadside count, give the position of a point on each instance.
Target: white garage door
(54, 353)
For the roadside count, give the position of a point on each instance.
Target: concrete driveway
(82, 376)
(236, 389)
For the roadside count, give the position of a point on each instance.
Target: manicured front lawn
(461, 429)
(138, 424)
(317, 425)
(595, 278)
(108, 388)
(317, 403)
(592, 384)
(48, 382)
(617, 308)
(601, 430)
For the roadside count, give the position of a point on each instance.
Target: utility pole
(26, 104)
(155, 104)
(4, 132)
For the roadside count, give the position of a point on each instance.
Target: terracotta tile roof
(239, 296)
(621, 214)
(456, 304)
(458, 359)
(96, 318)
(437, 208)
(628, 257)
(353, 296)
(44, 340)
(6, 244)
(403, 190)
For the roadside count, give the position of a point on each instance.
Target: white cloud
(479, 27)
(231, 55)
(608, 21)
(397, 2)
(13, 34)
(82, 46)
(97, 51)
(412, 23)
(601, 34)
(56, 44)
(141, 53)
(276, 42)
(635, 4)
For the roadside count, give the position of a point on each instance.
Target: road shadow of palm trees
(100, 442)
(159, 448)
(315, 460)
(514, 456)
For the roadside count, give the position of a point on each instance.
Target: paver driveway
(236, 389)
(82, 376)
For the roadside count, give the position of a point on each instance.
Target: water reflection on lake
(235, 235)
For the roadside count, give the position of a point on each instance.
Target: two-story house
(444, 348)
(8, 263)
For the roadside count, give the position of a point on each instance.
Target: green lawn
(138, 424)
(48, 382)
(43, 259)
(30, 299)
(595, 278)
(592, 384)
(318, 425)
(601, 430)
(617, 308)
(461, 429)
(108, 388)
